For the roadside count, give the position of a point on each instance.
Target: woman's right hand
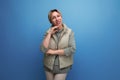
(53, 30)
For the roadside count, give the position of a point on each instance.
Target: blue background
(96, 24)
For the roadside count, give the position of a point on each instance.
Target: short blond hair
(50, 13)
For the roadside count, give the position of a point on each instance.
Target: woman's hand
(53, 30)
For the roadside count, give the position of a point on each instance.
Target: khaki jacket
(64, 61)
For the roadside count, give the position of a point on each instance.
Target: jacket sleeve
(42, 48)
(71, 45)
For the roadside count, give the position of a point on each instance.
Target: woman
(58, 47)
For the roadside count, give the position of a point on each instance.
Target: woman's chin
(58, 24)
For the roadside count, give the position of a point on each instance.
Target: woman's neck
(60, 27)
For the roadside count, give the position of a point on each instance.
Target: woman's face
(56, 19)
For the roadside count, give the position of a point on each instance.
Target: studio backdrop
(96, 25)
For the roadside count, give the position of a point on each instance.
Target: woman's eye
(58, 15)
(53, 17)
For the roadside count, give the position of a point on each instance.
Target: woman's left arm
(71, 45)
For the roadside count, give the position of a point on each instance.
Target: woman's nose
(56, 18)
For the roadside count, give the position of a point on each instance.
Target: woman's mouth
(58, 22)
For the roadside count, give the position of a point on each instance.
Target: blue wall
(96, 24)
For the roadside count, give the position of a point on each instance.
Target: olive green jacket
(67, 43)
